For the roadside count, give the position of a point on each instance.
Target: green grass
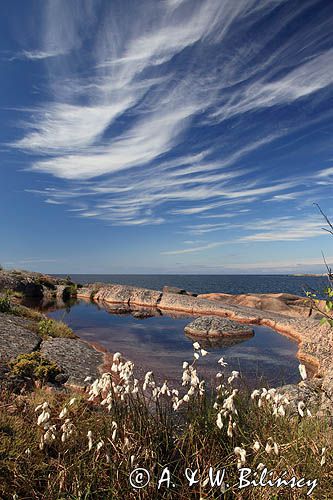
(52, 328)
(40, 323)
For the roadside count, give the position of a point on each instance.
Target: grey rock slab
(212, 326)
(76, 358)
(123, 294)
(15, 337)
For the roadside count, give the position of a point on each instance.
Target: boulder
(211, 326)
(76, 358)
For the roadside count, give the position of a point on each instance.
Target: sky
(166, 136)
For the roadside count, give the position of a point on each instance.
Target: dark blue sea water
(211, 283)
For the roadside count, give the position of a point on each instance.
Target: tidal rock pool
(159, 343)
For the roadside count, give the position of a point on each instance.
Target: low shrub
(35, 367)
(5, 303)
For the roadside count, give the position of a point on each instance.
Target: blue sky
(166, 136)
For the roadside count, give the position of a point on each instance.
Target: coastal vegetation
(34, 367)
(324, 305)
(51, 328)
(40, 323)
(86, 445)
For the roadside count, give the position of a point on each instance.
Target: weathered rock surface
(315, 340)
(283, 303)
(36, 285)
(76, 358)
(15, 337)
(129, 295)
(308, 391)
(213, 326)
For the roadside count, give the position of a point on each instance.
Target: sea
(224, 283)
(160, 344)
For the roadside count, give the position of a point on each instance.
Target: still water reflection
(158, 343)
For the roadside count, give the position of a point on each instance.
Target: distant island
(321, 275)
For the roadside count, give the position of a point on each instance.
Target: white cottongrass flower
(268, 448)
(255, 393)
(202, 388)
(90, 441)
(234, 375)
(219, 421)
(185, 365)
(196, 355)
(99, 445)
(50, 434)
(222, 362)
(67, 429)
(300, 408)
(149, 381)
(43, 417)
(281, 411)
(186, 377)
(63, 412)
(256, 446)
(43, 406)
(191, 390)
(196, 345)
(241, 456)
(323, 457)
(230, 428)
(114, 427)
(177, 403)
(165, 389)
(302, 371)
(194, 378)
(87, 379)
(203, 352)
(229, 404)
(116, 356)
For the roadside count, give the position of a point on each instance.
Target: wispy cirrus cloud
(288, 228)
(194, 249)
(129, 130)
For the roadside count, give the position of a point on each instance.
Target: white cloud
(201, 248)
(287, 228)
(116, 131)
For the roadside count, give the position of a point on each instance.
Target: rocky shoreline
(79, 359)
(315, 341)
